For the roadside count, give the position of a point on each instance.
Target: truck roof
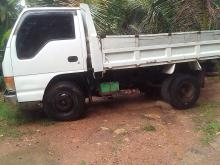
(49, 8)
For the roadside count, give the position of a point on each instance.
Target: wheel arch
(193, 68)
(182, 67)
(77, 78)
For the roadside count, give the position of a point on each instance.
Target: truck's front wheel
(64, 101)
(184, 91)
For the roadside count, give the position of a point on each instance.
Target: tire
(165, 89)
(184, 91)
(64, 101)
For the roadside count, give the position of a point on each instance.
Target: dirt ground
(126, 130)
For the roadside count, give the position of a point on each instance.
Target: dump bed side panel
(149, 50)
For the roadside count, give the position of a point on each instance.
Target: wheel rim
(64, 101)
(186, 92)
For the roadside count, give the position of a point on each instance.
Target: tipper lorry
(54, 56)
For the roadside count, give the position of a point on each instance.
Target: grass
(83, 162)
(149, 128)
(208, 120)
(1, 82)
(9, 122)
(11, 118)
(46, 122)
(10, 132)
(9, 115)
(119, 140)
(211, 130)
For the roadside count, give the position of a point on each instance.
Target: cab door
(47, 42)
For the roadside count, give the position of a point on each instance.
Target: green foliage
(7, 120)
(83, 162)
(149, 128)
(210, 130)
(2, 84)
(147, 16)
(10, 132)
(4, 38)
(111, 19)
(153, 16)
(12, 117)
(51, 3)
(208, 120)
(8, 15)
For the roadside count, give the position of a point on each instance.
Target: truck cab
(44, 43)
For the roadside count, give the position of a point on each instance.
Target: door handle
(73, 59)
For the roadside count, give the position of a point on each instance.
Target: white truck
(54, 56)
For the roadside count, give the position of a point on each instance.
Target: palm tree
(146, 16)
(214, 10)
(52, 3)
(152, 16)
(109, 15)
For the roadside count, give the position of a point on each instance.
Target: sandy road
(113, 133)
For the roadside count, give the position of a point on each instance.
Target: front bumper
(10, 97)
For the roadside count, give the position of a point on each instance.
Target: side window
(39, 29)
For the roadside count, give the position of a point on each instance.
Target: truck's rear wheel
(184, 91)
(165, 89)
(64, 101)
